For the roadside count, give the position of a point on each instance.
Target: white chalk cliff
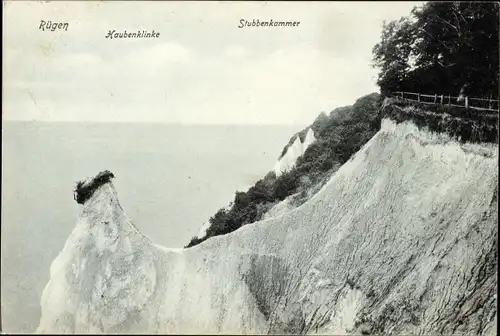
(293, 152)
(401, 240)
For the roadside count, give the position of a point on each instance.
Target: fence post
(441, 99)
(449, 99)
(466, 103)
(402, 95)
(418, 97)
(435, 98)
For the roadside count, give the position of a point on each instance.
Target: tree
(459, 42)
(439, 48)
(392, 54)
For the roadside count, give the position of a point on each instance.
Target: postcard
(253, 167)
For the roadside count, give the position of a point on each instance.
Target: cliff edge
(402, 239)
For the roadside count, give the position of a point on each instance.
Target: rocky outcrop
(401, 240)
(293, 151)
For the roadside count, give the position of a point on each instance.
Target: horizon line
(145, 122)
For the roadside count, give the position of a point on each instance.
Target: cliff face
(402, 239)
(293, 152)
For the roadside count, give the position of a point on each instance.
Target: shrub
(84, 191)
(194, 241)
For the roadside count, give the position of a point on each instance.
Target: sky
(202, 69)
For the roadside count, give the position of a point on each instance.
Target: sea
(170, 179)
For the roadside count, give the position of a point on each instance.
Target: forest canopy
(440, 48)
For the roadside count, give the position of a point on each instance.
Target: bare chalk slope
(402, 239)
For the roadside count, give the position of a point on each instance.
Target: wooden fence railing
(483, 104)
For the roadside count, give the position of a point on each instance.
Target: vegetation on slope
(338, 137)
(464, 125)
(440, 48)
